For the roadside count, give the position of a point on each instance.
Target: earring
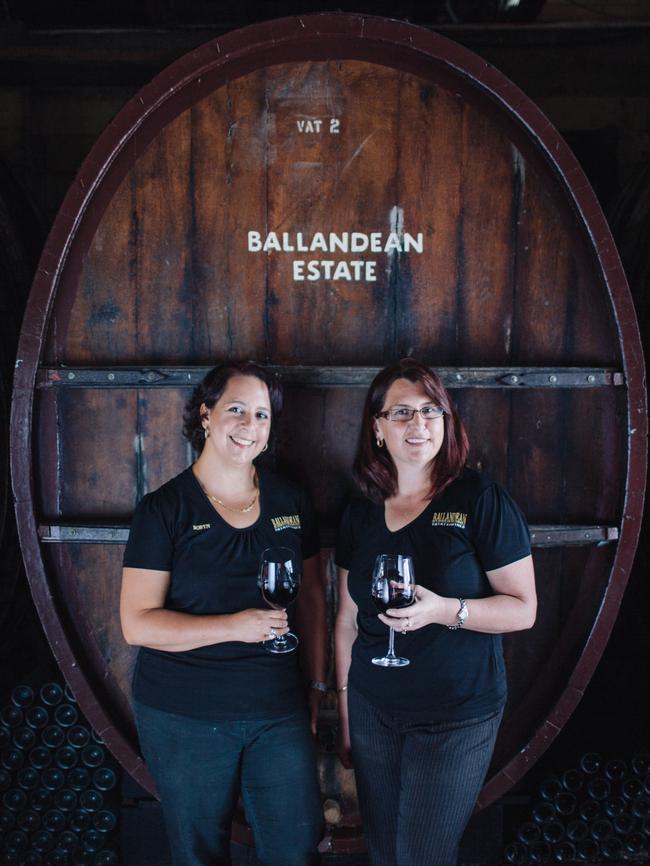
(265, 447)
(206, 432)
(380, 442)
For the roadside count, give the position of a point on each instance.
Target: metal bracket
(331, 377)
(541, 535)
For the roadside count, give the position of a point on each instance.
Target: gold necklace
(243, 510)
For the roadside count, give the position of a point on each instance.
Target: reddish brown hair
(373, 469)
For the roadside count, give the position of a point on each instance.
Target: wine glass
(393, 585)
(279, 581)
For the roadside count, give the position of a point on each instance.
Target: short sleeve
(309, 527)
(150, 543)
(499, 529)
(345, 540)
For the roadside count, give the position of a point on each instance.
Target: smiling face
(410, 443)
(239, 422)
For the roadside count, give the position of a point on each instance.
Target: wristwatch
(461, 616)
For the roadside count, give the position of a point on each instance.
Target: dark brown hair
(210, 389)
(374, 470)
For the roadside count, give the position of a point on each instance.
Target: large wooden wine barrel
(326, 194)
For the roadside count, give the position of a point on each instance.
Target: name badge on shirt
(287, 521)
(449, 518)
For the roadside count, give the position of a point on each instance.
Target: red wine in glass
(393, 586)
(400, 598)
(279, 582)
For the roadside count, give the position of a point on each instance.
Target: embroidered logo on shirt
(449, 518)
(197, 526)
(287, 521)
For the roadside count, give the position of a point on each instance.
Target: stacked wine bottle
(57, 783)
(596, 813)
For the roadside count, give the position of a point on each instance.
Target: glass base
(390, 661)
(285, 644)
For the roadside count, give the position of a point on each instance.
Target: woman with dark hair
(217, 714)
(421, 736)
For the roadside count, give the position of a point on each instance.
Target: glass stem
(391, 644)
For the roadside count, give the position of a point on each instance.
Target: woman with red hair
(421, 736)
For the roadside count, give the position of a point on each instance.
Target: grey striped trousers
(417, 782)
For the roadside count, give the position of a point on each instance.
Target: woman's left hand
(511, 607)
(428, 607)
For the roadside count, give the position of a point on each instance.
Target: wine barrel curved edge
(311, 38)
(20, 243)
(21, 240)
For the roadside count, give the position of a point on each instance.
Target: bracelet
(343, 688)
(461, 616)
(316, 684)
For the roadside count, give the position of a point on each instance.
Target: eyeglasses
(407, 413)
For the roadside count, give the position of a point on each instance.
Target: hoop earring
(380, 443)
(265, 446)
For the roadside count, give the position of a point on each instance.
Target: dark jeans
(200, 768)
(417, 782)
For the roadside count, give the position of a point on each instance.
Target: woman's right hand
(256, 625)
(146, 621)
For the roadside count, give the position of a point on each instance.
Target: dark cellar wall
(60, 87)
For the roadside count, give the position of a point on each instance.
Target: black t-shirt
(472, 527)
(213, 570)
